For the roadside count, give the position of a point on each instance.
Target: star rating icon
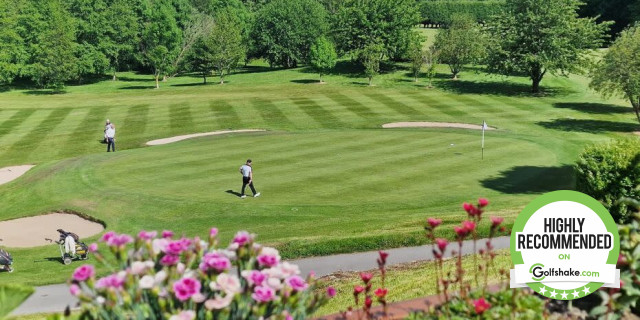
(553, 293)
(575, 293)
(542, 290)
(586, 290)
(564, 295)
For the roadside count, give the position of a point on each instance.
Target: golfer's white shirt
(111, 132)
(246, 170)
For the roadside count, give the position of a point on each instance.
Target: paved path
(55, 298)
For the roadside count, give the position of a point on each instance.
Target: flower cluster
(188, 278)
(380, 293)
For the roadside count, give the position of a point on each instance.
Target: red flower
(622, 260)
(381, 293)
(368, 302)
(496, 221)
(469, 225)
(481, 305)
(442, 244)
(468, 207)
(434, 222)
(503, 229)
(460, 231)
(483, 202)
(383, 256)
(357, 290)
(366, 277)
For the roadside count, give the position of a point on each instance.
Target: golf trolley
(6, 260)
(71, 248)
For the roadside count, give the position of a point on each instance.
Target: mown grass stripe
(15, 120)
(353, 105)
(38, 134)
(226, 115)
(399, 107)
(180, 118)
(86, 134)
(439, 106)
(318, 113)
(271, 114)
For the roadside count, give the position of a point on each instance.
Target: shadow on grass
(235, 193)
(256, 69)
(44, 92)
(501, 88)
(590, 126)
(306, 81)
(197, 84)
(530, 179)
(141, 79)
(137, 87)
(594, 108)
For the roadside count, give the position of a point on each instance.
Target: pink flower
(263, 294)
(383, 257)
(471, 209)
(114, 281)
(169, 260)
(93, 247)
(84, 272)
(147, 235)
(184, 315)
(368, 302)
(482, 202)
(269, 257)
(496, 221)
(381, 293)
(460, 231)
(469, 225)
(442, 244)
(74, 290)
(218, 303)
(241, 238)
(175, 247)
(230, 284)
(215, 261)
(119, 240)
(357, 290)
(366, 277)
(213, 232)
(481, 305)
(185, 288)
(107, 236)
(297, 283)
(331, 292)
(254, 277)
(434, 222)
(167, 234)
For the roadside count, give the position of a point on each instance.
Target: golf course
(332, 179)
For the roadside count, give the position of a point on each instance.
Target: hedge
(439, 12)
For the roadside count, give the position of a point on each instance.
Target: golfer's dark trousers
(111, 145)
(245, 182)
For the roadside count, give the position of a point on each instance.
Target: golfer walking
(111, 138)
(247, 179)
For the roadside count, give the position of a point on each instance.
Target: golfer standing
(247, 179)
(111, 138)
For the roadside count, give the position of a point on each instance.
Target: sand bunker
(434, 125)
(196, 135)
(32, 231)
(8, 174)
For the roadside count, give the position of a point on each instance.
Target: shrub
(167, 278)
(440, 12)
(609, 172)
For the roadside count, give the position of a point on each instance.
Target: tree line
(52, 42)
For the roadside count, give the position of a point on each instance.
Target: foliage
(323, 56)
(358, 23)
(227, 43)
(161, 38)
(619, 70)
(534, 37)
(285, 30)
(371, 56)
(431, 58)
(416, 56)
(163, 277)
(11, 296)
(121, 34)
(12, 53)
(460, 44)
(52, 49)
(441, 12)
(608, 172)
(621, 12)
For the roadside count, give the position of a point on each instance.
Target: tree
(90, 22)
(285, 30)
(619, 70)
(534, 37)
(460, 44)
(431, 61)
(358, 23)
(370, 57)
(121, 33)
(53, 49)
(161, 38)
(195, 28)
(12, 49)
(227, 43)
(323, 56)
(416, 56)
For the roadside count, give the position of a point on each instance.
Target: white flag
(484, 125)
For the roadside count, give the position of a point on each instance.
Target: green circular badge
(565, 246)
